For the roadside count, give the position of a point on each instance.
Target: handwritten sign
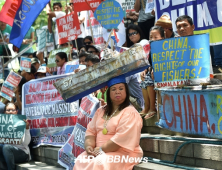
(52, 56)
(127, 5)
(12, 128)
(68, 28)
(41, 35)
(109, 14)
(25, 64)
(182, 60)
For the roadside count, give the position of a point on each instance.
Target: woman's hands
(27, 123)
(89, 150)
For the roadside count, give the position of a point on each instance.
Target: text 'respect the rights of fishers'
(109, 14)
(180, 60)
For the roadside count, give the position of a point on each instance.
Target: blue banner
(51, 119)
(182, 59)
(206, 14)
(26, 14)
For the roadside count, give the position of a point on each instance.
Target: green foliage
(1, 4)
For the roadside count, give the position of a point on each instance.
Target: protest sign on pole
(109, 14)
(206, 14)
(42, 36)
(68, 28)
(127, 5)
(25, 64)
(14, 79)
(182, 60)
(52, 57)
(12, 128)
(51, 119)
(7, 89)
(85, 5)
(75, 144)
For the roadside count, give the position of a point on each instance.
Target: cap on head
(34, 60)
(116, 80)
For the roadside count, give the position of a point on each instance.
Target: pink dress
(124, 130)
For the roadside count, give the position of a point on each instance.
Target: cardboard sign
(85, 5)
(182, 60)
(25, 64)
(52, 56)
(7, 89)
(127, 5)
(109, 14)
(41, 35)
(71, 68)
(68, 28)
(14, 79)
(75, 144)
(12, 128)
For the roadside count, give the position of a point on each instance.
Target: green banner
(12, 128)
(41, 34)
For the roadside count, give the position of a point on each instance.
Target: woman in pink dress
(61, 60)
(112, 137)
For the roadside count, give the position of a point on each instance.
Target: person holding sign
(12, 154)
(114, 130)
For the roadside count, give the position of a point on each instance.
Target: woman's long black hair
(109, 107)
(62, 55)
(136, 28)
(9, 104)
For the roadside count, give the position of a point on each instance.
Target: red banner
(84, 5)
(9, 10)
(68, 28)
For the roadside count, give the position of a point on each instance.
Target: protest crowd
(124, 102)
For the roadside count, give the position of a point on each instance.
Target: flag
(115, 37)
(26, 14)
(9, 10)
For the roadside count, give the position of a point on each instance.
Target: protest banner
(12, 128)
(78, 85)
(206, 14)
(14, 79)
(75, 144)
(25, 64)
(8, 11)
(24, 18)
(109, 14)
(84, 5)
(97, 29)
(41, 35)
(149, 6)
(127, 5)
(192, 110)
(51, 119)
(52, 57)
(182, 60)
(68, 28)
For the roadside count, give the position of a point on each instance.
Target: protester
(29, 75)
(12, 154)
(134, 35)
(88, 40)
(91, 59)
(61, 60)
(147, 85)
(93, 49)
(43, 71)
(30, 55)
(35, 63)
(146, 20)
(114, 130)
(165, 22)
(28, 40)
(82, 58)
(185, 27)
(82, 49)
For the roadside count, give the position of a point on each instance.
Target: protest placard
(7, 88)
(52, 57)
(71, 68)
(68, 28)
(49, 38)
(51, 119)
(109, 14)
(127, 5)
(14, 79)
(12, 128)
(182, 60)
(41, 35)
(83, 5)
(75, 144)
(25, 64)
(149, 6)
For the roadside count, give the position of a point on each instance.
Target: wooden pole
(90, 27)
(107, 43)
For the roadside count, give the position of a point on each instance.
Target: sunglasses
(133, 33)
(87, 43)
(70, 3)
(91, 52)
(56, 61)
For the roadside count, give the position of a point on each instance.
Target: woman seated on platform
(113, 132)
(11, 154)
